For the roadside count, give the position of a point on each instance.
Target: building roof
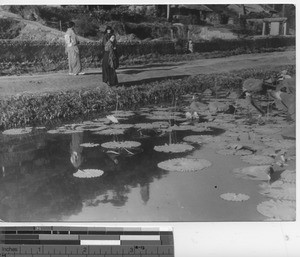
(251, 8)
(277, 19)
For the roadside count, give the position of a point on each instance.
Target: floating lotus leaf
(91, 127)
(287, 191)
(184, 164)
(160, 124)
(195, 139)
(252, 85)
(123, 113)
(281, 144)
(89, 145)
(243, 152)
(110, 132)
(63, 131)
(160, 117)
(254, 172)
(268, 152)
(122, 126)
(144, 126)
(278, 210)
(288, 176)
(234, 197)
(124, 144)
(103, 120)
(168, 113)
(258, 159)
(201, 129)
(88, 173)
(226, 151)
(217, 106)
(266, 130)
(174, 148)
(182, 128)
(17, 131)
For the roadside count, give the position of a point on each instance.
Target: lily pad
(166, 113)
(123, 113)
(288, 176)
(17, 131)
(184, 164)
(63, 131)
(195, 139)
(122, 126)
(254, 172)
(160, 124)
(234, 197)
(287, 191)
(201, 129)
(123, 144)
(258, 159)
(243, 152)
(88, 173)
(278, 210)
(174, 148)
(181, 128)
(160, 117)
(144, 126)
(110, 132)
(91, 127)
(266, 130)
(268, 152)
(281, 144)
(89, 145)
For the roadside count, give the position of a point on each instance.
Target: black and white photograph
(148, 113)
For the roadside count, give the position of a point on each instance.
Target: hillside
(23, 29)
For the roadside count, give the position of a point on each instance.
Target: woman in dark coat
(110, 62)
(107, 34)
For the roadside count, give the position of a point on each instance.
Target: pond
(69, 173)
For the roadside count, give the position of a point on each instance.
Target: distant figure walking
(72, 50)
(110, 62)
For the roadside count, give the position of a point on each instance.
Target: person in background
(72, 50)
(110, 62)
(191, 46)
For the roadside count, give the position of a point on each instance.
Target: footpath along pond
(155, 164)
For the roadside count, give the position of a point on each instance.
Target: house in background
(194, 14)
(274, 26)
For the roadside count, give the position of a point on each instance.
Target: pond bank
(38, 99)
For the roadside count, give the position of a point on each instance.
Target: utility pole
(168, 11)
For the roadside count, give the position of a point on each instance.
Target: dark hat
(108, 28)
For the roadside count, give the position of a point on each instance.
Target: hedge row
(32, 109)
(45, 56)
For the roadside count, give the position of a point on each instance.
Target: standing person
(72, 50)
(107, 33)
(110, 62)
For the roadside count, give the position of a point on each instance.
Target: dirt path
(50, 82)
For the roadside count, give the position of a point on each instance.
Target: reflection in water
(76, 149)
(37, 182)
